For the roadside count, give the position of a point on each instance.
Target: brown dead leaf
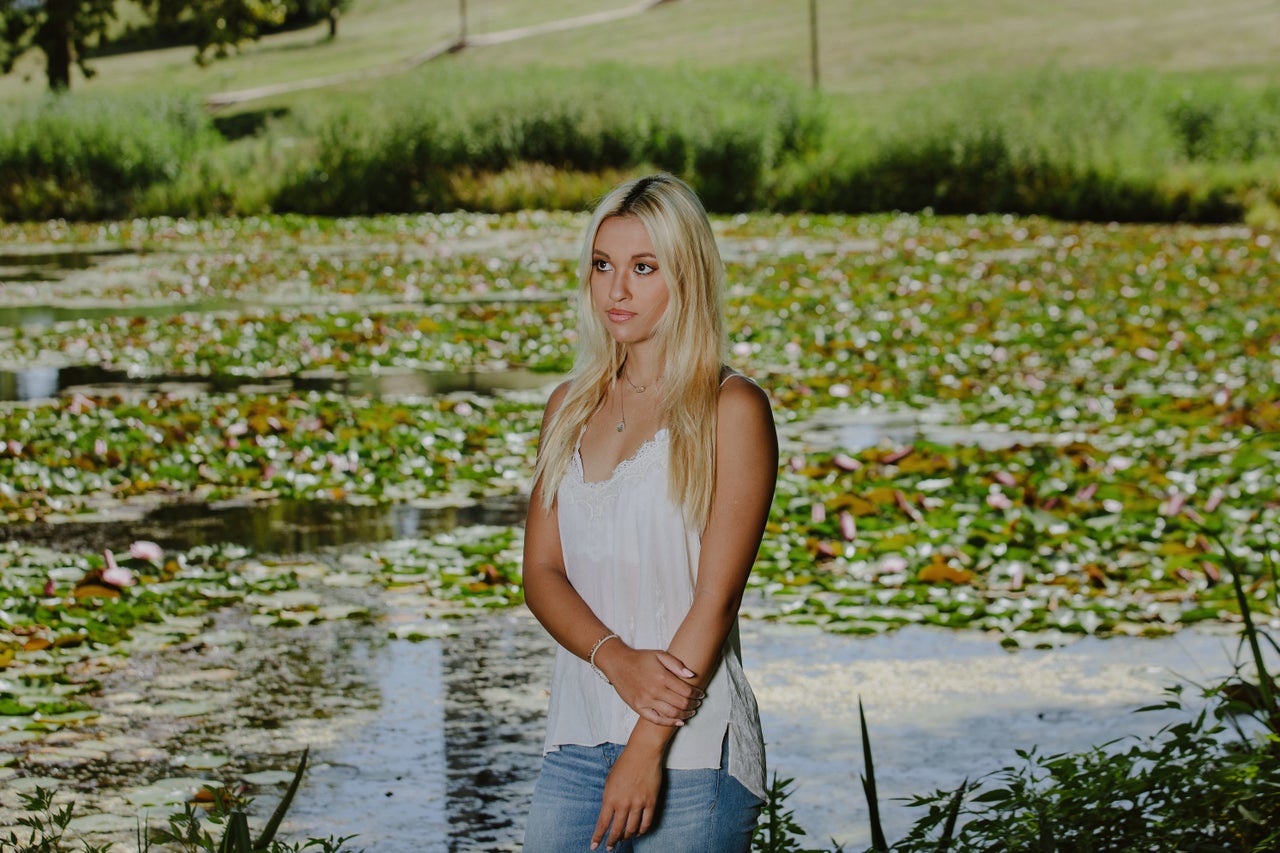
(941, 571)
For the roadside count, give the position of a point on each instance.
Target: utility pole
(813, 42)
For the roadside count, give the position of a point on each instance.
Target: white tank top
(629, 554)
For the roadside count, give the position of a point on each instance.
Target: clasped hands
(654, 683)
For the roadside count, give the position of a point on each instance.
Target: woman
(655, 473)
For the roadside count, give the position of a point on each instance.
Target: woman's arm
(651, 681)
(746, 474)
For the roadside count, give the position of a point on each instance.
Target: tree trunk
(333, 24)
(54, 39)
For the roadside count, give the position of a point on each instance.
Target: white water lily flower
(114, 573)
(145, 549)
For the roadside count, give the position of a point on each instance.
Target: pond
(433, 744)
(1037, 466)
(941, 707)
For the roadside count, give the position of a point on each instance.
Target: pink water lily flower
(1174, 505)
(1215, 498)
(845, 462)
(848, 526)
(144, 549)
(115, 574)
(892, 564)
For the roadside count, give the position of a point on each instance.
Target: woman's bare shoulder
(742, 399)
(557, 396)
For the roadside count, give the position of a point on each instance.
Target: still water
(448, 760)
(433, 745)
(941, 706)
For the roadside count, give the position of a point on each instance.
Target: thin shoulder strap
(728, 373)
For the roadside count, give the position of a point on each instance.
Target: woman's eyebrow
(602, 253)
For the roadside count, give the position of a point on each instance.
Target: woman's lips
(618, 316)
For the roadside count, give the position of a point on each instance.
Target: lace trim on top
(597, 496)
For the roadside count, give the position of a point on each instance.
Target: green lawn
(865, 48)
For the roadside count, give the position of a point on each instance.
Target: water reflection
(853, 430)
(985, 702)
(434, 746)
(269, 527)
(43, 383)
(34, 384)
(33, 318)
(385, 782)
(52, 265)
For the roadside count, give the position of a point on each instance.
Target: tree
(315, 10)
(218, 26)
(64, 30)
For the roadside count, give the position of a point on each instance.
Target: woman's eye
(601, 265)
(645, 269)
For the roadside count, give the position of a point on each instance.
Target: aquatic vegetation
(62, 607)
(79, 453)
(1207, 783)
(1059, 384)
(42, 828)
(1056, 537)
(46, 826)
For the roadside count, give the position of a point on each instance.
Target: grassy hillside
(864, 47)
(1136, 110)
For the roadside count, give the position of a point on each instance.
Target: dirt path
(222, 100)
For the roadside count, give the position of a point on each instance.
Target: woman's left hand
(630, 797)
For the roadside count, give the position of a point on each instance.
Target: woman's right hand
(654, 683)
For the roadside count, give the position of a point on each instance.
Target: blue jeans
(699, 811)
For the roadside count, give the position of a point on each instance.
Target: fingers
(652, 682)
(670, 714)
(674, 665)
(659, 719)
(620, 826)
(602, 824)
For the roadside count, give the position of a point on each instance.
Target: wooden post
(813, 42)
(462, 21)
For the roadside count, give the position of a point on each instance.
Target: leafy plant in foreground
(228, 812)
(1191, 787)
(777, 830)
(47, 827)
(186, 831)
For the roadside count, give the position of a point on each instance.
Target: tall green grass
(95, 157)
(405, 148)
(1096, 145)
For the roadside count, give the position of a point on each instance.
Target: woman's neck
(641, 367)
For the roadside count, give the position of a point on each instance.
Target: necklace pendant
(621, 426)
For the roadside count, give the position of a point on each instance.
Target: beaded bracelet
(591, 658)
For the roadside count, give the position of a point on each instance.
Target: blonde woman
(655, 473)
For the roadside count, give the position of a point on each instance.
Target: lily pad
(201, 761)
(168, 791)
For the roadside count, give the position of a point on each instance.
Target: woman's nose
(618, 289)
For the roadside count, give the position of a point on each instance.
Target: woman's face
(627, 288)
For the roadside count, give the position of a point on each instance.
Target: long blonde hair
(691, 336)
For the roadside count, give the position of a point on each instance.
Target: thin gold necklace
(622, 405)
(639, 389)
(622, 424)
